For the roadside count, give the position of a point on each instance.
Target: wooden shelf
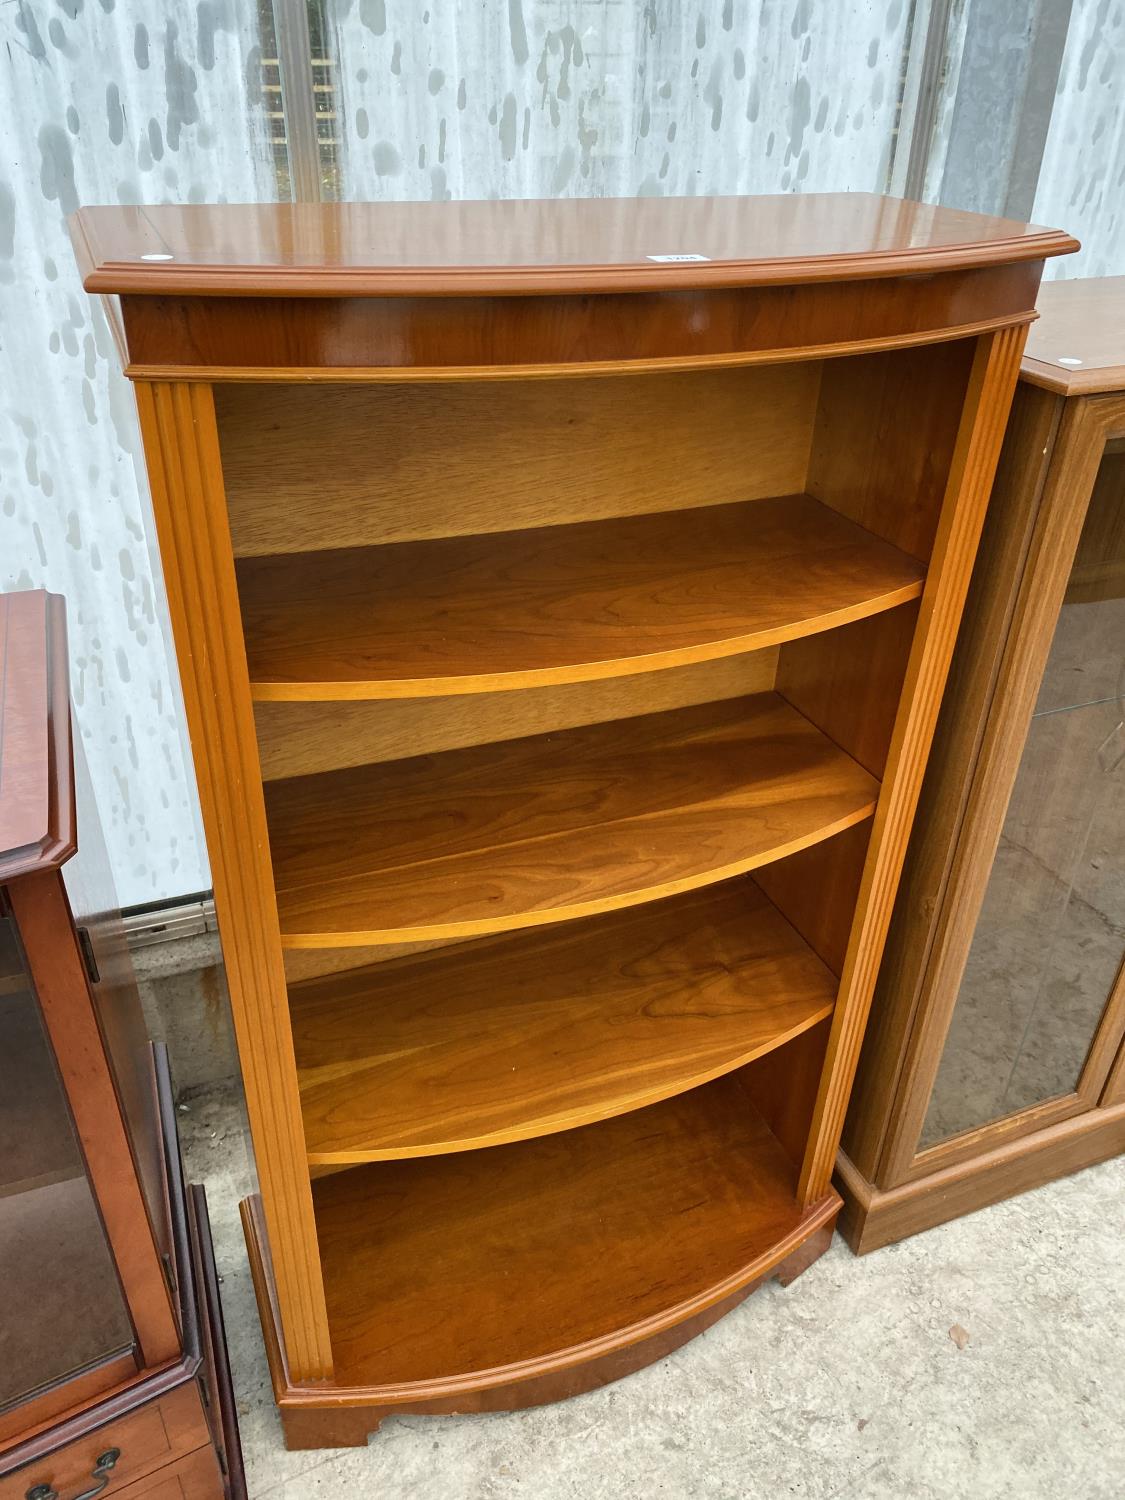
(554, 827)
(550, 1251)
(558, 604)
(523, 1035)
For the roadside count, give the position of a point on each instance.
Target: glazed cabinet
(563, 595)
(112, 1364)
(995, 1058)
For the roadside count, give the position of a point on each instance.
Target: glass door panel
(61, 1304)
(1051, 934)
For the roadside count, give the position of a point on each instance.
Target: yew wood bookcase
(563, 595)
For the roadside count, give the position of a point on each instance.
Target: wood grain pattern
(816, 890)
(473, 1280)
(181, 449)
(554, 827)
(149, 1437)
(1081, 321)
(783, 1085)
(298, 739)
(560, 603)
(343, 1416)
(887, 1048)
(196, 1476)
(42, 915)
(874, 1217)
(551, 245)
(417, 462)
(999, 694)
(848, 681)
(884, 436)
(521, 1036)
(36, 787)
(401, 339)
(980, 434)
(543, 1252)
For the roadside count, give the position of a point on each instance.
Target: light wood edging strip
(181, 447)
(991, 386)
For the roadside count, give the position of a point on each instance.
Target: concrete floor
(847, 1385)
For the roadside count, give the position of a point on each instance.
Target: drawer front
(148, 1438)
(196, 1477)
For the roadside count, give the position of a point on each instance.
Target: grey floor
(847, 1385)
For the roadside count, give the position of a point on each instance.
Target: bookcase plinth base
(333, 1416)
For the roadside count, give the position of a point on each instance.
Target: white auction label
(677, 257)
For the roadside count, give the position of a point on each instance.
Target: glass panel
(61, 1305)
(1049, 942)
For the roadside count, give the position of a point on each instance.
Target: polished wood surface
(196, 1476)
(421, 339)
(874, 1217)
(296, 739)
(182, 454)
(36, 790)
(560, 603)
(1044, 485)
(520, 1036)
(371, 401)
(42, 915)
(1003, 692)
(883, 441)
(550, 828)
(921, 914)
(849, 681)
(467, 1247)
(344, 1416)
(414, 462)
(551, 245)
(979, 437)
(148, 1438)
(1077, 347)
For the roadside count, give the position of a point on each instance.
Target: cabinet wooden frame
(1062, 424)
(95, 1085)
(956, 339)
(37, 837)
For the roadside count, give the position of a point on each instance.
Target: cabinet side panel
(980, 433)
(885, 432)
(181, 447)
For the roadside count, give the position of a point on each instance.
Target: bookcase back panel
(312, 467)
(298, 739)
(886, 427)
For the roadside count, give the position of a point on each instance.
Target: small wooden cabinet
(995, 1060)
(112, 1362)
(563, 594)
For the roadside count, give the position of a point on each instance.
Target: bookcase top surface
(1077, 348)
(543, 246)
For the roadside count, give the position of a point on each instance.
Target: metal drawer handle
(101, 1471)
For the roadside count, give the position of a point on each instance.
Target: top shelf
(560, 604)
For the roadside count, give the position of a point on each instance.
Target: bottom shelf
(503, 1264)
